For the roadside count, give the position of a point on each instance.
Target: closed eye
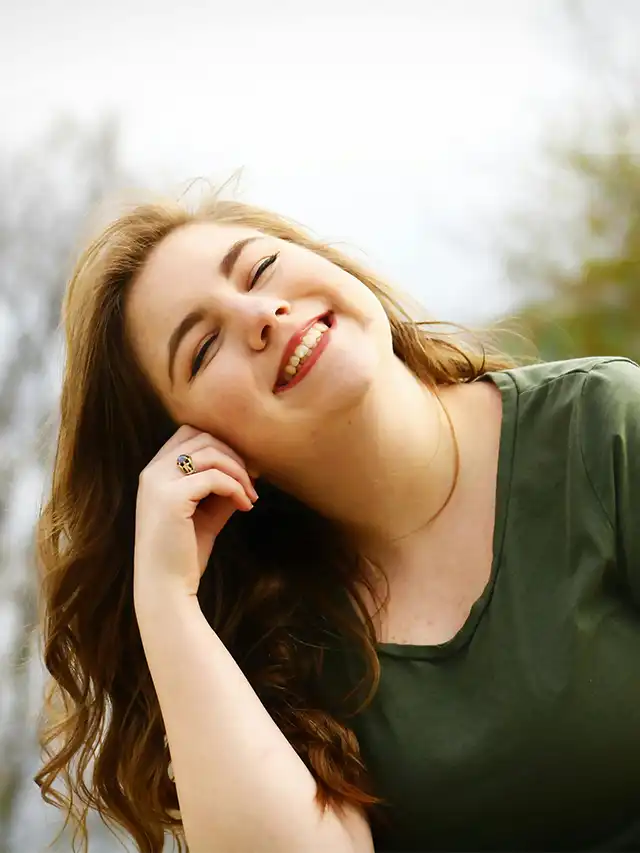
(196, 364)
(200, 355)
(264, 265)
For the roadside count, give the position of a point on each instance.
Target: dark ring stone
(185, 464)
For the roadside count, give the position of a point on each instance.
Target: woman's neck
(385, 470)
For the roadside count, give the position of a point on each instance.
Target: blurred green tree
(590, 305)
(575, 259)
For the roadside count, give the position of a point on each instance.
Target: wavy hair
(102, 733)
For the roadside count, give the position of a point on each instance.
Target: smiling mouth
(305, 353)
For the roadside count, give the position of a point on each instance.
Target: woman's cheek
(230, 396)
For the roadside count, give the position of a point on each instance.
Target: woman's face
(213, 318)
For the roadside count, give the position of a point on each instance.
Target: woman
(316, 578)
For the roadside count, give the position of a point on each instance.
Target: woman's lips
(313, 356)
(295, 340)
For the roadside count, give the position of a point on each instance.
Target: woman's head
(127, 386)
(212, 317)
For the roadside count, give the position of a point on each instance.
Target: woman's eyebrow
(233, 253)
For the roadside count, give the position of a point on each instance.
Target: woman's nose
(261, 320)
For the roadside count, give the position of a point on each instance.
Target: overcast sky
(402, 126)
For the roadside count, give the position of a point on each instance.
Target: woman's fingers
(212, 481)
(206, 452)
(203, 439)
(189, 440)
(210, 457)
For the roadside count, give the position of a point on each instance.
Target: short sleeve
(610, 431)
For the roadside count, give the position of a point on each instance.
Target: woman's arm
(241, 785)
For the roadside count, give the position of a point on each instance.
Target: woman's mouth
(305, 354)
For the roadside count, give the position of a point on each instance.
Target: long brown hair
(101, 715)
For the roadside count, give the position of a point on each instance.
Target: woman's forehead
(197, 241)
(191, 254)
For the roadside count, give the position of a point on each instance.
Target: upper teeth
(309, 341)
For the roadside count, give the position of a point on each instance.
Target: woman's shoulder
(598, 394)
(580, 415)
(609, 412)
(610, 446)
(585, 413)
(575, 428)
(612, 373)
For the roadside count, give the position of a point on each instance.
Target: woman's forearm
(241, 785)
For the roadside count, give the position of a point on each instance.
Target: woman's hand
(178, 515)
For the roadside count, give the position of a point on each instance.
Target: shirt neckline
(508, 428)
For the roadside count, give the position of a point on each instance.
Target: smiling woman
(288, 558)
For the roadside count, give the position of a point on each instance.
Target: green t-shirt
(523, 731)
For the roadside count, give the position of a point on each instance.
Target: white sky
(402, 126)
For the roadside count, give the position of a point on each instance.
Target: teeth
(309, 341)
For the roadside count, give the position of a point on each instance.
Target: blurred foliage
(588, 304)
(48, 192)
(573, 254)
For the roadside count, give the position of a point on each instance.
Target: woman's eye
(199, 357)
(265, 264)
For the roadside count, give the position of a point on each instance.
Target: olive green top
(522, 732)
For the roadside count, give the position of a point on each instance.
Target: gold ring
(185, 464)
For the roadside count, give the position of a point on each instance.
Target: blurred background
(482, 154)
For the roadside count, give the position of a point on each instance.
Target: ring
(185, 464)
